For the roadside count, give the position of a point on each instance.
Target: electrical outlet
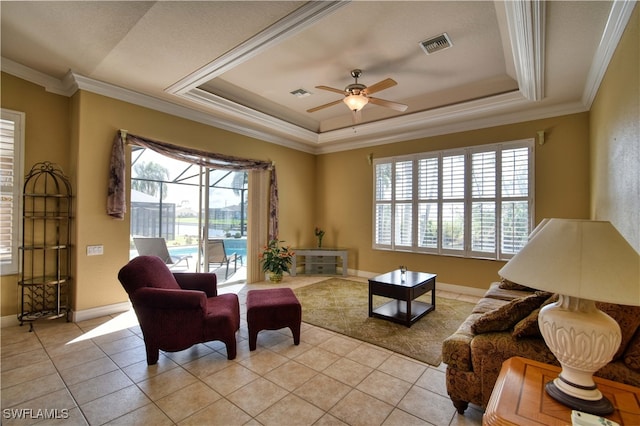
(95, 250)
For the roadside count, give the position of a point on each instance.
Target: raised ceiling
(234, 64)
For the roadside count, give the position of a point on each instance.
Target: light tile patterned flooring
(95, 372)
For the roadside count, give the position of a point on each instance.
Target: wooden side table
(519, 398)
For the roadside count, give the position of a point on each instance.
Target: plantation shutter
(382, 220)
(10, 190)
(515, 199)
(428, 173)
(473, 202)
(403, 213)
(483, 202)
(453, 209)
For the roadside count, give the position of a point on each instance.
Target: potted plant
(276, 259)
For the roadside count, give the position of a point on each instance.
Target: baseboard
(9, 321)
(100, 311)
(77, 316)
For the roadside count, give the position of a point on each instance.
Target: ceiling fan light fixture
(356, 102)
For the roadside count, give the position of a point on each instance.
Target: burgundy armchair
(179, 310)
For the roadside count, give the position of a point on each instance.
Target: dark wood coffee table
(404, 309)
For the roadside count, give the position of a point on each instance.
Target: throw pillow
(508, 315)
(627, 317)
(528, 326)
(505, 284)
(632, 354)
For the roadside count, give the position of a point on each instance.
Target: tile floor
(95, 372)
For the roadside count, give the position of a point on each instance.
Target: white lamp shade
(356, 102)
(580, 258)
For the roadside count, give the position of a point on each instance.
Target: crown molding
(50, 84)
(616, 23)
(72, 82)
(301, 18)
(526, 23)
(136, 98)
(524, 105)
(444, 123)
(408, 124)
(240, 112)
(482, 113)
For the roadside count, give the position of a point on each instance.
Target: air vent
(436, 44)
(300, 93)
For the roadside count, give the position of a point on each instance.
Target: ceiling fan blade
(331, 89)
(339, 101)
(381, 85)
(388, 104)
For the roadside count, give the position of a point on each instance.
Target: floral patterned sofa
(504, 324)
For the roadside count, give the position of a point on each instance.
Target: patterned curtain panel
(116, 201)
(116, 196)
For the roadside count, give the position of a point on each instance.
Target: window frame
(467, 201)
(18, 118)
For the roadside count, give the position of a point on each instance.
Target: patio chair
(158, 247)
(217, 256)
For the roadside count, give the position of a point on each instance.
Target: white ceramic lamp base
(583, 339)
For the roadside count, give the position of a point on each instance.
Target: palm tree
(239, 182)
(152, 178)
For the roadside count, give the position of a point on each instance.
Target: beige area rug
(343, 306)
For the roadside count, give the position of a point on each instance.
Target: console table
(320, 260)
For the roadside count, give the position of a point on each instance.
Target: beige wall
(615, 139)
(47, 137)
(99, 119)
(78, 133)
(334, 191)
(345, 188)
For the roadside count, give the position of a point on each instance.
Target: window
(11, 172)
(168, 200)
(472, 202)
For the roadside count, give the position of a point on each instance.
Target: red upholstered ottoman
(273, 309)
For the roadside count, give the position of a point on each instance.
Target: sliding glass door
(185, 204)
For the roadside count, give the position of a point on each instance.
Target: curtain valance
(199, 157)
(116, 200)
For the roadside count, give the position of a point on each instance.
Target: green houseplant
(276, 259)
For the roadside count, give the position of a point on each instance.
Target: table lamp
(583, 261)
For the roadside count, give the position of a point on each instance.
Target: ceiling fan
(357, 95)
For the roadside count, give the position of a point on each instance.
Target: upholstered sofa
(503, 324)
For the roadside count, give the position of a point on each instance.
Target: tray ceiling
(234, 64)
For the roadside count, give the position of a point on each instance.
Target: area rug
(343, 306)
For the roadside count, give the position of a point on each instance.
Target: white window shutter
(11, 169)
(483, 203)
(473, 202)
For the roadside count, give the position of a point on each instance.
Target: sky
(187, 195)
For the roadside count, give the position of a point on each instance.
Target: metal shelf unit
(43, 288)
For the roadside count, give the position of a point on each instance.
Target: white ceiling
(233, 64)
